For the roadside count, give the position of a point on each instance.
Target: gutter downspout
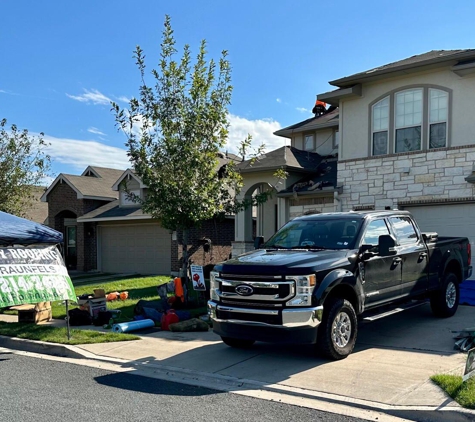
(338, 206)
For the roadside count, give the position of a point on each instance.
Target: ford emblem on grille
(244, 290)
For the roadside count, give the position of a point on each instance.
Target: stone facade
(407, 178)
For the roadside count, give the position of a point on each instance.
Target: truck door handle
(423, 255)
(397, 260)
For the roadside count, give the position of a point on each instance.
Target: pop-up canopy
(19, 231)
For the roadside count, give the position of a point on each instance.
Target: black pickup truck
(311, 281)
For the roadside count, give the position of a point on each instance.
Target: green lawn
(137, 287)
(59, 335)
(462, 392)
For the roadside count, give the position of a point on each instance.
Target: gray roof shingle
(431, 57)
(287, 157)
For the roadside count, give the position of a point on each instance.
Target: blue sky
(62, 62)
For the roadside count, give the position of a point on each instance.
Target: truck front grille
(262, 291)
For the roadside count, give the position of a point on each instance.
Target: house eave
(375, 74)
(97, 198)
(334, 97)
(130, 173)
(102, 219)
(274, 168)
(287, 133)
(464, 69)
(322, 192)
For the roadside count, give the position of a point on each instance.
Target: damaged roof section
(323, 178)
(328, 119)
(286, 158)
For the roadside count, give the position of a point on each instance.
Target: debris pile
(465, 339)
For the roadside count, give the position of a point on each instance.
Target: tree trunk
(185, 261)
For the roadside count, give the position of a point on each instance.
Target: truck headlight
(304, 286)
(213, 286)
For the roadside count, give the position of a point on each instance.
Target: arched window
(412, 119)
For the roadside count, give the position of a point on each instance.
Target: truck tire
(237, 342)
(444, 302)
(337, 332)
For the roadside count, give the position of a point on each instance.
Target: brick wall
(221, 234)
(63, 203)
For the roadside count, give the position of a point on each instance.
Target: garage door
(137, 248)
(447, 220)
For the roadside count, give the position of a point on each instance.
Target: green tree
(23, 165)
(175, 130)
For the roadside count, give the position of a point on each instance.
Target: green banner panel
(33, 274)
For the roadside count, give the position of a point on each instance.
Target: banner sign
(198, 277)
(469, 365)
(33, 274)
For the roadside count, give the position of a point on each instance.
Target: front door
(71, 251)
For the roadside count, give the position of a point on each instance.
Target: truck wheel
(237, 342)
(444, 302)
(337, 332)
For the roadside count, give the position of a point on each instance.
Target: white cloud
(278, 100)
(303, 109)
(123, 99)
(96, 131)
(80, 154)
(93, 96)
(261, 131)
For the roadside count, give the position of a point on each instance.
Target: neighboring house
(106, 230)
(405, 138)
(37, 211)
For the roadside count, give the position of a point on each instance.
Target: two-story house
(106, 230)
(404, 137)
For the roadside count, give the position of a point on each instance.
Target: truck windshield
(315, 234)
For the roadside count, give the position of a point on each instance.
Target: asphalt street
(34, 389)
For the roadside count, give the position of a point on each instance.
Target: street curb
(34, 346)
(240, 386)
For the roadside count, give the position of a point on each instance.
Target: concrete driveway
(389, 369)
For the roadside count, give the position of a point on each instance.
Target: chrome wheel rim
(451, 295)
(341, 330)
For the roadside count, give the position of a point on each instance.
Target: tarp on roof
(20, 231)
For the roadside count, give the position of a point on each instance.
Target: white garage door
(135, 248)
(447, 220)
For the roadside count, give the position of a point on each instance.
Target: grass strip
(59, 334)
(462, 392)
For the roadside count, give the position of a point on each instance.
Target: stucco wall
(324, 141)
(355, 113)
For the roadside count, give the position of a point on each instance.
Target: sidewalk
(388, 371)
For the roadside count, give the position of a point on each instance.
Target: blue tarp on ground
(467, 292)
(19, 231)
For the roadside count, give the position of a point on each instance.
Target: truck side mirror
(258, 241)
(386, 245)
(365, 253)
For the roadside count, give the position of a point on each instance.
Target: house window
(414, 119)
(308, 144)
(438, 112)
(408, 120)
(126, 199)
(380, 127)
